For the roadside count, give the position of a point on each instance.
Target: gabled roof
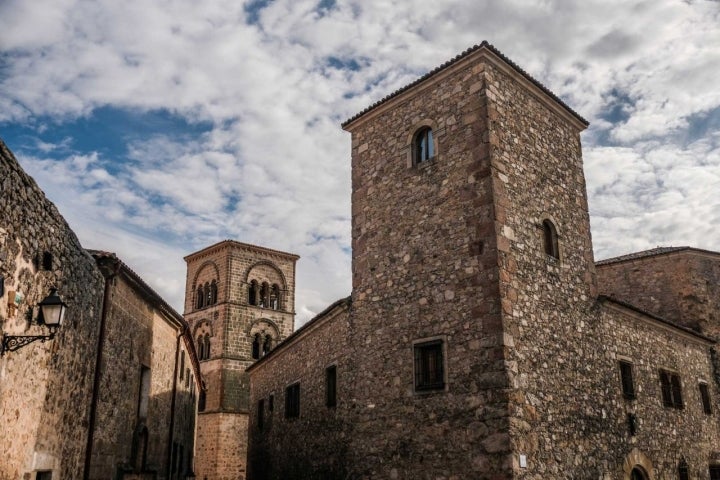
(653, 252)
(116, 265)
(476, 48)
(343, 303)
(661, 320)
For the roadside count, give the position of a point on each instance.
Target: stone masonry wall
(425, 265)
(682, 286)
(315, 444)
(44, 387)
(222, 427)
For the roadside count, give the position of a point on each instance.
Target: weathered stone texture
(453, 249)
(44, 387)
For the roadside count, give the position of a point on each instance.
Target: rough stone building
(476, 344)
(240, 303)
(112, 395)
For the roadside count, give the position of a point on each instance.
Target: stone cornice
(212, 249)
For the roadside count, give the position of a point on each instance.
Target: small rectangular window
(46, 475)
(429, 371)
(261, 414)
(292, 401)
(271, 403)
(626, 377)
(331, 386)
(671, 389)
(705, 397)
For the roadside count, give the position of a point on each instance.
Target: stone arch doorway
(637, 466)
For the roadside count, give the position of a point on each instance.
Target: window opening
(424, 147)
(331, 386)
(207, 346)
(637, 474)
(714, 472)
(264, 295)
(683, 470)
(256, 346)
(292, 401)
(261, 414)
(200, 297)
(252, 293)
(271, 403)
(705, 398)
(144, 394)
(626, 377)
(44, 475)
(47, 261)
(275, 297)
(213, 293)
(201, 401)
(429, 366)
(550, 239)
(267, 345)
(671, 389)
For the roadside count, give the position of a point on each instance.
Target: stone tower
(239, 302)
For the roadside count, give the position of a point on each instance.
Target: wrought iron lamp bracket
(11, 343)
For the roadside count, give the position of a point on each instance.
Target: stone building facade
(113, 394)
(239, 303)
(475, 344)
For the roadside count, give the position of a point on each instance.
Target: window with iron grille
(429, 371)
(331, 386)
(626, 378)
(671, 389)
(705, 397)
(292, 401)
(714, 472)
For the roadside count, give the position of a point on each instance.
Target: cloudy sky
(161, 127)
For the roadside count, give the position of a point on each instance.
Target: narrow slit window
(626, 378)
(261, 414)
(331, 386)
(705, 398)
(550, 239)
(292, 401)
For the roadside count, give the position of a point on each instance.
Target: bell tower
(239, 303)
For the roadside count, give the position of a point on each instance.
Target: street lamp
(52, 313)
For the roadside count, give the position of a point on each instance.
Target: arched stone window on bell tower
(265, 295)
(275, 297)
(256, 346)
(253, 293)
(264, 335)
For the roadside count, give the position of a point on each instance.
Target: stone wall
(142, 334)
(323, 431)
(45, 388)
(679, 284)
(425, 265)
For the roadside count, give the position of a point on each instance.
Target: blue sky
(161, 127)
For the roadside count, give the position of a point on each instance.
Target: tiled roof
(455, 60)
(645, 253)
(606, 298)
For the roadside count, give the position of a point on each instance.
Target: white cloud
(274, 167)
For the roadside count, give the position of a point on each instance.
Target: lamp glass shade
(53, 309)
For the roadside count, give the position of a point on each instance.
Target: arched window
(201, 347)
(267, 345)
(550, 239)
(206, 348)
(256, 346)
(265, 295)
(208, 294)
(423, 145)
(275, 297)
(200, 300)
(638, 474)
(213, 293)
(253, 292)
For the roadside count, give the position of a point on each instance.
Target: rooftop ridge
(486, 45)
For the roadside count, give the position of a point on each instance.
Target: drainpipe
(98, 362)
(172, 404)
